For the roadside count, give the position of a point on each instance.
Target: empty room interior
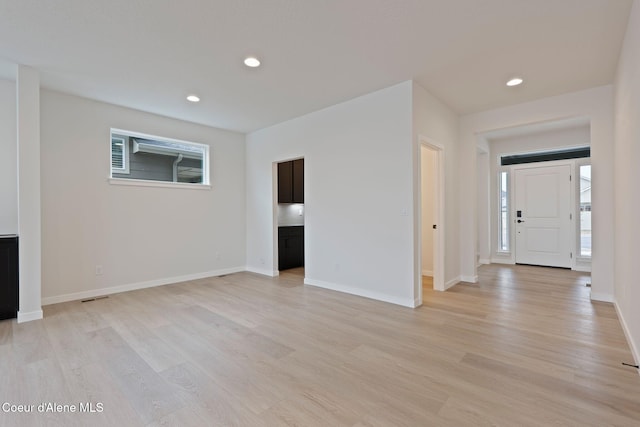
(362, 213)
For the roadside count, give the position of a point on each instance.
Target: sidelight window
(503, 209)
(585, 210)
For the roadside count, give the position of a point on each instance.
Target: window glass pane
(503, 226)
(157, 159)
(585, 210)
(117, 153)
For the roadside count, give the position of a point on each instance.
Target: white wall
(428, 178)
(483, 176)
(572, 136)
(8, 158)
(438, 124)
(358, 194)
(29, 192)
(578, 136)
(139, 235)
(595, 104)
(627, 177)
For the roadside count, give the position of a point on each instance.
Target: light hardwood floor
(523, 347)
(427, 283)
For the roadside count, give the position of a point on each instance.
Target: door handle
(520, 220)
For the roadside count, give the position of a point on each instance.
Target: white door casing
(543, 229)
(438, 219)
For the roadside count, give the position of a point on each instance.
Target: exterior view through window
(503, 226)
(585, 210)
(142, 157)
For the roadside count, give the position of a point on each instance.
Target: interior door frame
(572, 202)
(439, 216)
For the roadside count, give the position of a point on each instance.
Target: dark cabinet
(290, 247)
(285, 182)
(8, 277)
(298, 181)
(291, 181)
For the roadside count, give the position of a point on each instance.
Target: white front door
(542, 216)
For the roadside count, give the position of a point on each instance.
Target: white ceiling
(149, 54)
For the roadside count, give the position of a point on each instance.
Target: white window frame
(499, 250)
(125, 155)
(167, 184)
(578, 245)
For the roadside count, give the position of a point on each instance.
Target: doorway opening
(542, 214)
(539, 194)
(289, 253)
(431, 218)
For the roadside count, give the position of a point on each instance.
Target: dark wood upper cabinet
(298, 181)
(285, 182)
(291, 181)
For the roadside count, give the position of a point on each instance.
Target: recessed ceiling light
(251, 62)
(193, 98)
(515, 81)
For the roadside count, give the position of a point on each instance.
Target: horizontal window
(136, 156)
(546, 156)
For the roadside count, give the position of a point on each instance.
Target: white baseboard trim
(263, 271)
(428, 273)
(470, 279)
(452, 283)
(134, 286)
(29, 316)
(632, 345)
(484, 261)
(405, 302)
(601, 297)
(582, 268)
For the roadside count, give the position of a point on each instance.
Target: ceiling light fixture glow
(251, 62)
(193, 98)
(515, 81)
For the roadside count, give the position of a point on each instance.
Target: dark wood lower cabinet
(8, 277)
(290, 247)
